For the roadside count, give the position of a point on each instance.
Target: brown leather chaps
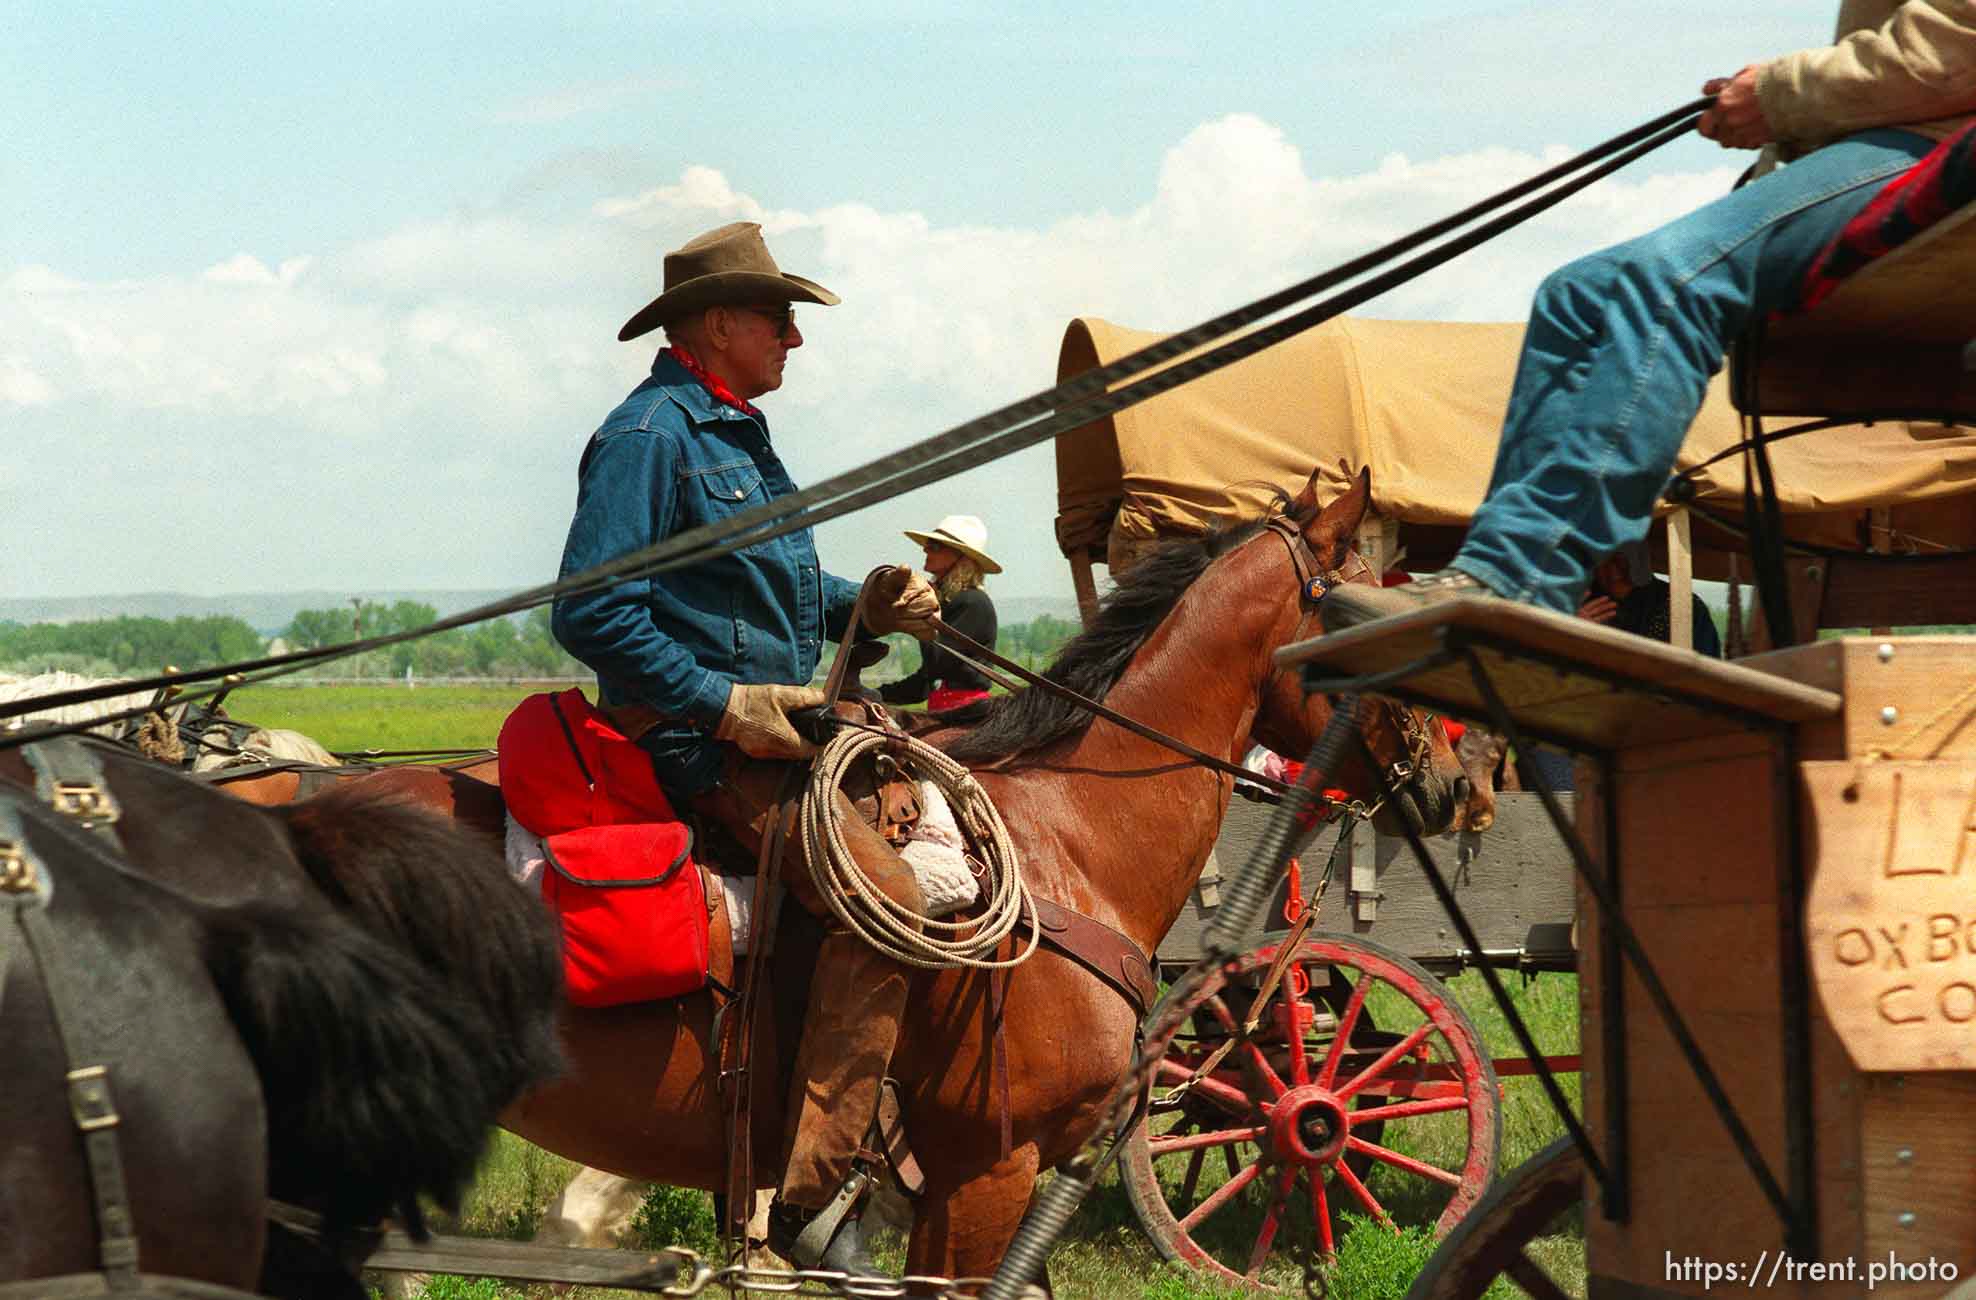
(857, 996)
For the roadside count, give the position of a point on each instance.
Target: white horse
(158, 739)
(14, 686)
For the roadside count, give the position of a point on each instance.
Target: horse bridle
(1314, 583)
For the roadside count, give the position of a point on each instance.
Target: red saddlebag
(621, 877)
(633, 907)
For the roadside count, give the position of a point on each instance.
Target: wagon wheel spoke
(1386, 1059)
(1266, 1235)
(1347, 1022)
(1223, 1194)
(1409, 1109)
(1209, 1087)
(1226, 1018)
(1299, 1056)
(1170, 1145)
(1320, 1204)
(1525, 1273)
(1408, 1163)
(1192, 1180)
(1363, 1193)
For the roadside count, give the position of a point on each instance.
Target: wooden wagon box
(1513, 880)
(1706, 845)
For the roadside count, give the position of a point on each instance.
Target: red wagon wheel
(1494, 1241)
(1364, 1089)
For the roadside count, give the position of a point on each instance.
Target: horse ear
(1330, 534)
(1304, 504)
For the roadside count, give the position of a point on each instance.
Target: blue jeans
(1618, 355)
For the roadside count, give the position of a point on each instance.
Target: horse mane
(1091, 662)
(375, 1079)
(444, 896)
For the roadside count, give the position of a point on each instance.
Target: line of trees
(519, 646)
(1032, 644)
(111, 646)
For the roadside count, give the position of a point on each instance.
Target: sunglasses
(781, 317)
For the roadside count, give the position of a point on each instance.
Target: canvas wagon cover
(1421, 404)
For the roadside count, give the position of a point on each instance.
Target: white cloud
(436, 382)
(701, 192)
(22, 386)
(245, 268)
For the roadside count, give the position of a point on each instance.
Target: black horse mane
(1091, 662)
(373, 1076)
(442, 896)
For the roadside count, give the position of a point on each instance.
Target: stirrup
(815, 1237)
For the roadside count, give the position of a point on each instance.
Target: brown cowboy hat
(729, 265)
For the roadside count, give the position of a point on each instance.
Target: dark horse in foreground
(1109, 824)
(256, 1042)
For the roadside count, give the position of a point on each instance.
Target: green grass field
(385, 717)
(1104, 1253)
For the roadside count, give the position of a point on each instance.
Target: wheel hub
(1309, 1125)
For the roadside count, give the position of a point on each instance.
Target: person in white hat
(957, 561)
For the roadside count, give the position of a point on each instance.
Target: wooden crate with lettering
(1887, 839)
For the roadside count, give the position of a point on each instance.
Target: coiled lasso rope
(897, 931)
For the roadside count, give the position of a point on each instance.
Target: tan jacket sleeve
(1917, 65)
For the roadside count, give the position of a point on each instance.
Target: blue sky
(341, 281)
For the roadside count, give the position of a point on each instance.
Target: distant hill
(266, 611)
(270, 611)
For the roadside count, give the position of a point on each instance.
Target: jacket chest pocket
(720, 492)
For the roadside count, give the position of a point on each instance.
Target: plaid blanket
(1907, 205)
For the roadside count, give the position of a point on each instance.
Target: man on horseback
(703, 664)
(1621, 344)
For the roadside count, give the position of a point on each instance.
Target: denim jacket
(668, 459)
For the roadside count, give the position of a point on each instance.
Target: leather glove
(901, 600)
(756, 720)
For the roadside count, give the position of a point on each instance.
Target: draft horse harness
(69, 781)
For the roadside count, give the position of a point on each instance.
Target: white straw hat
(965, 534)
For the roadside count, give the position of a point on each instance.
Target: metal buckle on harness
(16, 869)
(84, 801)
(89, 1099)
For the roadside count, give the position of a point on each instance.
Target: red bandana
(721, 392)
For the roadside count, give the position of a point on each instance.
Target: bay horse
(260, 1043)
(1108, 824)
